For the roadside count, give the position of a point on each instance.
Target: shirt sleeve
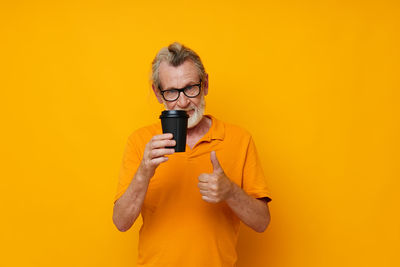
(130, 162)
(254, 181)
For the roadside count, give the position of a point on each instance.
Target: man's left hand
(215, 187)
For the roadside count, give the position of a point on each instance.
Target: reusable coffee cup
(175, 122)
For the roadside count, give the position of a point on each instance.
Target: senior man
(191, 202)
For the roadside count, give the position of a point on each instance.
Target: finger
(163, 136)
(155, 153)
(216, 166)
(159, 160)
(162, 143)
(204, 178)
(204, 193)
(208, 199)
(203, 186)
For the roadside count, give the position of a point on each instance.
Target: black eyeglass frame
(180, 90)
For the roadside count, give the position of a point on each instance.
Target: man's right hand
(128, 206)
(154, 154)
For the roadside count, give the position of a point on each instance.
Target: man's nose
(183, 101)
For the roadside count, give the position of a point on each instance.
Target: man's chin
(192, 124)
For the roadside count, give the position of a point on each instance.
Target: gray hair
(175, 54)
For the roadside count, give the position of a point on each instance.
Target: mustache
(191, 108)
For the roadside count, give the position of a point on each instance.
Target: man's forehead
(186, 72)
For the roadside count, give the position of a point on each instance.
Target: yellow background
(315, 82)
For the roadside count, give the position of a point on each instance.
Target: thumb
(216, 166)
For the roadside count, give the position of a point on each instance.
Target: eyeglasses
(171, 95)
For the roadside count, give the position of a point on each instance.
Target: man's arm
(251, 211)
(217, 187)
(128, 206)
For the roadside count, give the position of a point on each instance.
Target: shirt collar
(217, 130)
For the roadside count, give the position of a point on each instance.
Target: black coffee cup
(175, 122)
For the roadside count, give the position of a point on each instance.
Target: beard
(197, 115)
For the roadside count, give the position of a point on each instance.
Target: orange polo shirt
(179, 227)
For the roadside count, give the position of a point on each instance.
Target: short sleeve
(254, 181)
(130, 163)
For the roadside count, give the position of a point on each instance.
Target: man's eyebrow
(188, 84)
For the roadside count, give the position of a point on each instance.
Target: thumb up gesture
(215, 187)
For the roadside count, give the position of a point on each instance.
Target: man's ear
(205, 84)
(157, 93)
